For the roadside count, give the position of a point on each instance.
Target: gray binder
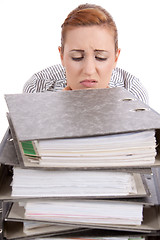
(144, 182)
(78, 113)
(14, 231)
(151, 220)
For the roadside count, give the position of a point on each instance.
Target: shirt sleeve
(122, 78)
(138, 90)
(31, 85)
(45, 80)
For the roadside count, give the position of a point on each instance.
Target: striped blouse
(53, 79)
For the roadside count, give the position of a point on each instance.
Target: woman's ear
(61, 55)
(117, 56)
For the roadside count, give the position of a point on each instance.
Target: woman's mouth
(89, 83)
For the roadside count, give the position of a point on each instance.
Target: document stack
(80, 165)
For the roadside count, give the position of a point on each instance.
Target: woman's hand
(67, 88)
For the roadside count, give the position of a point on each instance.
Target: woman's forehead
(94, 36)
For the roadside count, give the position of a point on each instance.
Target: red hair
(89, 15)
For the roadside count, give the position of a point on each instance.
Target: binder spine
(2, 144)
(1, 220)
(156, 176)
(7, 150)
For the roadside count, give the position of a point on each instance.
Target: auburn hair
(89, 15)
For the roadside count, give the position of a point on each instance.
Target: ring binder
(97, 112)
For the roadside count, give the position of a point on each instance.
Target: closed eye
(77, 59)
(101, 58)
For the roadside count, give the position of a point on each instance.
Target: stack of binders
(80, 164)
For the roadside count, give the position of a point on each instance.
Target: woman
(89, 53)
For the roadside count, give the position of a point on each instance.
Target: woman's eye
(77, 59)
(101, 58)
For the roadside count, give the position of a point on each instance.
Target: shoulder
(46, 79)
(122, 78)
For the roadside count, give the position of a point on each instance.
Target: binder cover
(78, 113)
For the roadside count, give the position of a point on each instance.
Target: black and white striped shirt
(53, 79)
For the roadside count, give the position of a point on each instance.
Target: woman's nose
(89, 67)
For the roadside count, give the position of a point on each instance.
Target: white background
(30, 36)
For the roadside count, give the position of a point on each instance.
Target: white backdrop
(30, 36)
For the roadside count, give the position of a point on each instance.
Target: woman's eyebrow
(80, 50)
(77, 50)
(100, 50)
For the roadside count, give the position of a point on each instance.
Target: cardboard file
(76, 184)
(144, 183)
(77, 113)
(14, 231)
(150, 223)
(8, 155)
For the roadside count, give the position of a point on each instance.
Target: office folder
(150, 220)
(76, 184)
(17, 214)
(77, 114)
(131, 149)
(144, 185)
(14, 231)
